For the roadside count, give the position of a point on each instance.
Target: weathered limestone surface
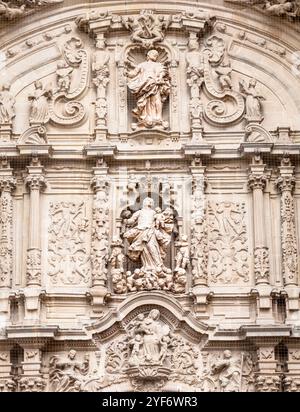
(149, 196)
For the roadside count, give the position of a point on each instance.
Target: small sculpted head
(152, 55)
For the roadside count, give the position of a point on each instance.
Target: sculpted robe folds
(150, 84)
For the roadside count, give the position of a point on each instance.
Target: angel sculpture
(39, 110)
(253, 99)
(150, 83)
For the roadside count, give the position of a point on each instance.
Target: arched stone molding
(169, 307)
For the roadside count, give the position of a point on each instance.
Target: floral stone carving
(68, 259)
(228, 248)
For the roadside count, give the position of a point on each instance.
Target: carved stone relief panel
(228, 257)
(68, 244)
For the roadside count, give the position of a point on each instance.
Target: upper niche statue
(150, 83)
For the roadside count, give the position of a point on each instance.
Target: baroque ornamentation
(148, 356)
(267, 383)
(7, 184)
(100, 71)
(280, 8)
(39, 106)
(117, 262)
(228, 247)
(15, 9)
(252, 100)
(100, 231)
(149, 238)
(261, 264)
(195, 72)
(7, 104)
(218, 83)
(290, 273)
(199, 243)
(67, 375)
(68, 258)
(33, 266)
(227, 372)
(74, 57)
(147, 28)
(149, 82)
(32, 384)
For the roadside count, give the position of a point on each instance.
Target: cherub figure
(63, 73)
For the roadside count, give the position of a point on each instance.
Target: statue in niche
(149, 238)
(150, 340)
(150, 84)
(63, 73)
(253, 99)
(7, 103)
(39, 110)
(67, 376)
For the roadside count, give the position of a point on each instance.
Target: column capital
(35, 181)
(286, 183)
(257, 180)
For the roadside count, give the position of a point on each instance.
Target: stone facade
(149, 196)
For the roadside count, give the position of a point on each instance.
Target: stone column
(266, 378)
(199, 243)
(7, 185)
(290, 267)
(35, 181)
(32, 379)
(100, 232)
(257, 180)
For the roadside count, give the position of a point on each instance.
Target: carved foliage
(68, 257)
(199, 244)
(100, 230)
(6, 216)
(228, 248)
(288, 230)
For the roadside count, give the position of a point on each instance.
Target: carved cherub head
(152, 55)
(72, 354)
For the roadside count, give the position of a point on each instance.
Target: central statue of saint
(150, 84)
(150, 236)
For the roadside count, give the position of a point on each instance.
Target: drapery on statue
(7, 103)
(39, 108)
(253, 99)
(150, 84)
(66, 376)
(149, 238)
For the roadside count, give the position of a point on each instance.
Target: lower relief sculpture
(151, 356)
